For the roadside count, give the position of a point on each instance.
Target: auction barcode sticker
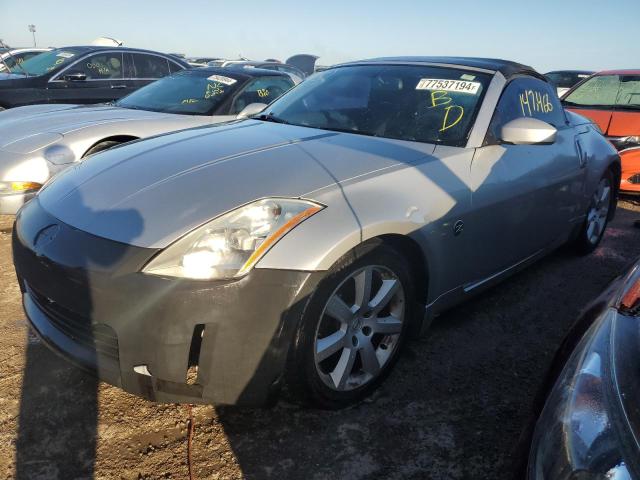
(222, 79)
(448, 85)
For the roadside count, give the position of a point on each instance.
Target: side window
(102, 66)
(174, 67)
(150, 66)
(527, 97)
(260, 90)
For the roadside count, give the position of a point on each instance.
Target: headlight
(230, 245)
(19, 187)
(584, 432)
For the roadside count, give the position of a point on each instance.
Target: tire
(598, 215)
(100, 147)
(365, 339)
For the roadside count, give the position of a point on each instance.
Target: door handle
(118, 86)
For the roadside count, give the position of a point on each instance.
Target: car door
(524, 196)
(89, 80)
(260, 90)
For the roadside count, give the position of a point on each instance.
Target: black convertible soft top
(505, 67)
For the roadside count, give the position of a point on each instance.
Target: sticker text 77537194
(459, 86)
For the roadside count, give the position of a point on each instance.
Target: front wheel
(598, 215)
(352, 330)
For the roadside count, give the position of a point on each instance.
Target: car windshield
(48, 61)
(11, 63)
(417, 103)
(189, 92)
(619, 91)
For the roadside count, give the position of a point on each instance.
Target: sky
(548, 35)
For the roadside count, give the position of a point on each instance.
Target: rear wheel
(598, 215)
(352, 330)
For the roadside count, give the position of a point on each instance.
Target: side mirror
(252, 109)
(528, 131)
(74, 77)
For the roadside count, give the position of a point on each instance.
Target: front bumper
(12, 202)
(86, 298)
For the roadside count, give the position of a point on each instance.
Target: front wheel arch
(298, 380)
(112, 141)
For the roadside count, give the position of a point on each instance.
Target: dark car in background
(84, 74)
(590, 425)
(294, 73)
(298, 67)
(563, 80)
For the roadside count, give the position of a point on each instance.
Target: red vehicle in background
(612, 100)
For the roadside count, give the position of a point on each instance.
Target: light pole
(32, 29)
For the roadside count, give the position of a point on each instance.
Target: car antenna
(4, 45)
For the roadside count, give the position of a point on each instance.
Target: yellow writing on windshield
(452, 113)
(450, 119)
(533, 101)
(263, 92)
(439, 98)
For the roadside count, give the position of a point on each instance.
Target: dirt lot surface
(453, 408)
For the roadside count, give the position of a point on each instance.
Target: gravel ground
(453, 408)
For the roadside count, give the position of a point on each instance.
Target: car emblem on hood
(45, 236)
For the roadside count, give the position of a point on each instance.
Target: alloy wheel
(360, 328)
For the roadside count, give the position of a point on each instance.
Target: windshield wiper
(268, 117)
(348, 130)
(595, 105)
(628, 107)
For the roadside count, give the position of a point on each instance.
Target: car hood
(18, 124)
(613, 123)
(150, 193)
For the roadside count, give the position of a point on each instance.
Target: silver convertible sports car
(301, 247)
(38, 141)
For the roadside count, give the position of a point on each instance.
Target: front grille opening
(635, 179)
(194, 354)
(95, 337)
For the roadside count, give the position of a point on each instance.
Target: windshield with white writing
(619, 91)
(417, 103)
